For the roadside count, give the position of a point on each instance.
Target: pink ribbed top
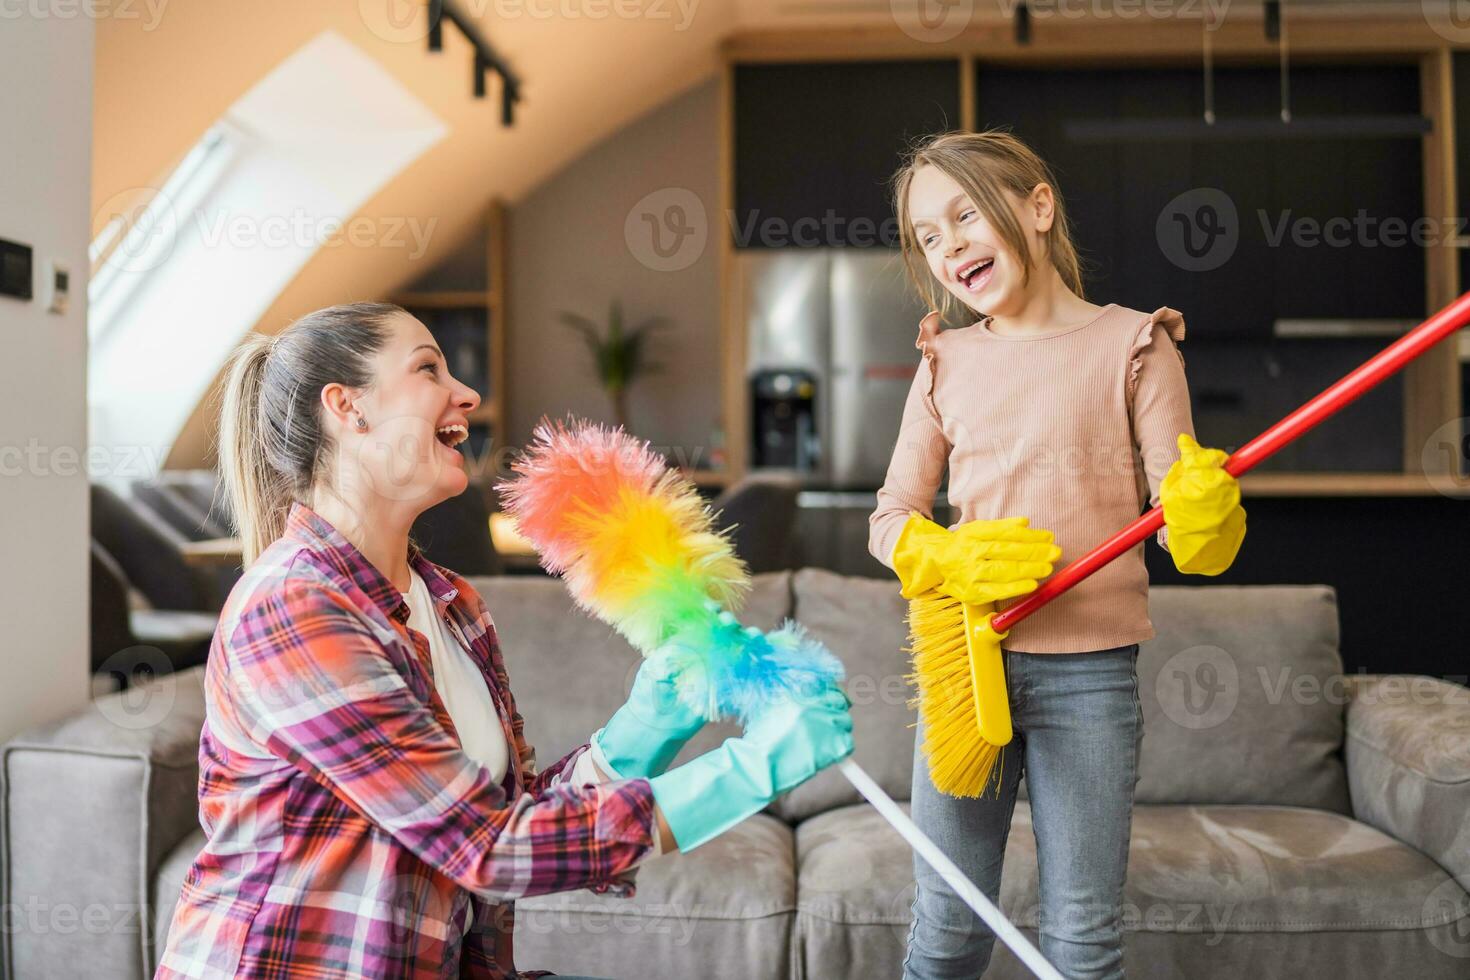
(1072, 428)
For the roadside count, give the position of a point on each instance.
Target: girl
(1065, 415)
(371, 806)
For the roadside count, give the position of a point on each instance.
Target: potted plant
(618, 355)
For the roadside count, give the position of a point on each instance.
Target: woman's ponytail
(258, 495)
(272, 448)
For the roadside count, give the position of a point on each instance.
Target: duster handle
(1356, 383)
(964, 887)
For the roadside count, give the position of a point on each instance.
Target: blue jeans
(1077, 723)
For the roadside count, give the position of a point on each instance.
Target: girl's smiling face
(963, 250)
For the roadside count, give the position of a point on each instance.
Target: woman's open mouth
(975, 275)
(451, 435)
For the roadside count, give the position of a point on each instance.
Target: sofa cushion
(855, 889)
(724, 909)
(570, 672)
(1212, 890)
(862, 621)
(1408, 765)
(169, 883)
(731, 899)
(1241, 688)
(93, 805)
(1243, 697)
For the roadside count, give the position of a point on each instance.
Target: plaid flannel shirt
(348, 833)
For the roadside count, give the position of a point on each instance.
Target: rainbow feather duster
(638, 549)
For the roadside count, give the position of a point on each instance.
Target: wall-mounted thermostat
(59, 288)
(15, 269)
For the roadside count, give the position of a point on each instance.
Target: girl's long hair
(985, 165)
(272, 448)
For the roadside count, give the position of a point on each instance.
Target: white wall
(45, 189)
(582, 238)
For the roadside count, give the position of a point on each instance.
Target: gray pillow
(1243, 697)
(862, 621)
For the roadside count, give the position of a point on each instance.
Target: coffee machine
(784, 419)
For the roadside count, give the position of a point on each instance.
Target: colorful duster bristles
(638, 549)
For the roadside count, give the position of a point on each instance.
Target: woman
(371, 806)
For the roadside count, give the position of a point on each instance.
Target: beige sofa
(1290, 821)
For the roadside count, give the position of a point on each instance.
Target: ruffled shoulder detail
(1172, 322)
(926, 342)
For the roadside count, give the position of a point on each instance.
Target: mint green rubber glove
(785, 746)
(643, 736)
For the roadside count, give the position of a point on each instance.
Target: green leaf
(618, 356)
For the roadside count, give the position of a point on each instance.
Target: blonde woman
(371, 806)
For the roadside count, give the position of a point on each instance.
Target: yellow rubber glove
(977, 562)
(1202, 510)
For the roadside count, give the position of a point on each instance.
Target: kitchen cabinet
(817, 144)
(1284, 259)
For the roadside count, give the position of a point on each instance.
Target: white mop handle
(963, 887)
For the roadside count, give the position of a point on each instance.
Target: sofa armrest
(1408, 762)
(91, 806)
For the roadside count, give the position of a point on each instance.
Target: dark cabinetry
(1320, 227)
(816, 144)
(1317, 227)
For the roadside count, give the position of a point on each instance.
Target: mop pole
(1334, 399)
(947, 869)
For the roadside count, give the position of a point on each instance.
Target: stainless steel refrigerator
(830, 358)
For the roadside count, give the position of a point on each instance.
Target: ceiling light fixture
(486, 57)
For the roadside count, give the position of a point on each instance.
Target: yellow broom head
(961, 762)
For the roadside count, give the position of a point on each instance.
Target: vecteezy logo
(667, 230)
(407, 907)
(932, 21)
(1199, 229)
(147, 226)
(152, 688)
(396, 21)
(1446, 457)
(1450, 19)
(1447, 904)
(398, 458)
(1198, 687)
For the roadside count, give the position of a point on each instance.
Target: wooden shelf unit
(1285, 484)
(491, 412)
(446, 299)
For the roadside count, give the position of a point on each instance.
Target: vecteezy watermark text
(152, 10)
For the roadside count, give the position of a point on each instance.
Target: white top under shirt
(460, 684)
(467, 698)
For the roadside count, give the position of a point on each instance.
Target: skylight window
(141, 230)
(182, 273)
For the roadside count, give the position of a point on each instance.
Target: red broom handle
(1355, 384)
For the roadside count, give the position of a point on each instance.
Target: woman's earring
(361, 424)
